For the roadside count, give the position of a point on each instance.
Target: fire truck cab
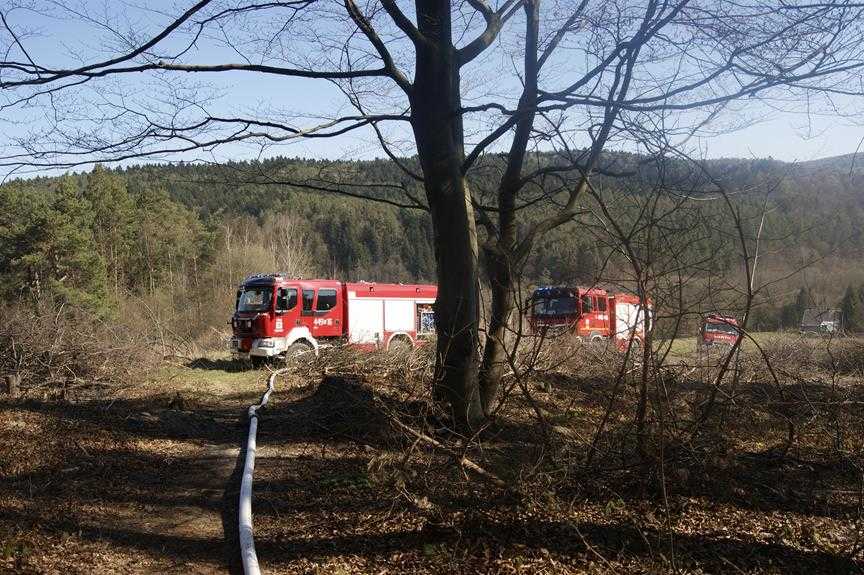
(718, 330)
(275, 315)
(591, 314)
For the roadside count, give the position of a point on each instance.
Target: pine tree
(23, 217)
(803, 300)
(852, 309)
(585, 265)
(75, 271)
(113, 221)
(48, 252)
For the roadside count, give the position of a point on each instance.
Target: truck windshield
(555, 306)
(721, 328)
(255, 299)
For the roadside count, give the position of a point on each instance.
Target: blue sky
(782, 135)
(789, 137)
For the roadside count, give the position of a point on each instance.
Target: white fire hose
(247, 539)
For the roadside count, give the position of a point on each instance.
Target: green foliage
(75, 271)
(67, 240)
(167, 241)
(49, 251)
(791, 313)
(114, 223)
(852, 307)
(561, 260)
(766, 318)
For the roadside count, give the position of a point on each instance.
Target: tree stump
(12, 385)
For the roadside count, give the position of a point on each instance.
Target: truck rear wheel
(399, 344)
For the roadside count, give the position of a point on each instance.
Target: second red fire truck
(589, 314)
(276, 315)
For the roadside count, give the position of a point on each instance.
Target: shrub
(58, 351)
(844, 356)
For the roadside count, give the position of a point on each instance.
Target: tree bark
(13, 383)
(503, 260)
(457, 310)
(642, 408)
(494, 364)
(437, 125)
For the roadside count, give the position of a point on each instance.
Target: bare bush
(67, 352)
(794, 354)
(791, 352)
(589, 360)
(844, 356)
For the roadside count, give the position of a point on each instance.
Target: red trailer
(590, 314)
(276, 315)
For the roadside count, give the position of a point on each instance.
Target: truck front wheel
(297, 349)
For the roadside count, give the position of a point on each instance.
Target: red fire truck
(718, 330)
(276, 315)
(590, 314)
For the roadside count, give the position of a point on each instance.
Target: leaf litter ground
(145, 481)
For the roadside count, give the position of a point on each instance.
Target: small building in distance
(822, 320)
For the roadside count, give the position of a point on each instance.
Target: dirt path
(145, 483)
(197, 508)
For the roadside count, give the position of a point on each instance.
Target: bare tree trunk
(457, 315)
(494, 363)
(437, 124)
(503, 259)
(647, 346)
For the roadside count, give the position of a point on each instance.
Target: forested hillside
(188, 233)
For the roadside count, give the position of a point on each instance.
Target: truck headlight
(266, 343)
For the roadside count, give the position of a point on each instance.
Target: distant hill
(813, 237)
(847, 163)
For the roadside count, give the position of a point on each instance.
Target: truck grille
(243, 325)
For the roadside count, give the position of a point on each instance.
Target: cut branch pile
(65, 351)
